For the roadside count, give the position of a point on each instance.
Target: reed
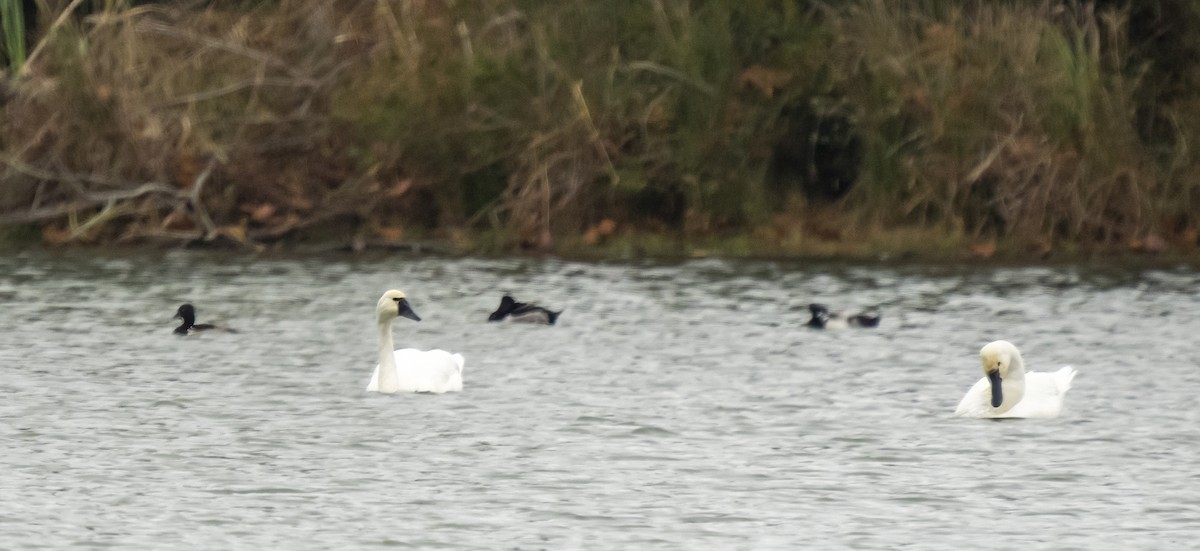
(999, 121)
(12, 25)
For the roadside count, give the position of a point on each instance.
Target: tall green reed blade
(14, 33)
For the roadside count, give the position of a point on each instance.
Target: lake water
(675, 406)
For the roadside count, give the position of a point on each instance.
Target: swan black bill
(997, 393)
(406, 311)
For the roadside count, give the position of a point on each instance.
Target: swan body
(524, 313)
(822, 318)
(1007, 391)
(409, 369)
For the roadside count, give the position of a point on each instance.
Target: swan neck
(388, 378)
(1014, 383)
(1016, 369)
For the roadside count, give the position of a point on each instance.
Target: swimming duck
(409, 369)
(822, 318)
(522, 312)
(1007, 391)
(187, 313)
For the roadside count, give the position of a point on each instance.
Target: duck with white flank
(187, 313)
(521, 312)
(409, 369)
(1007, 391)
(822, 318)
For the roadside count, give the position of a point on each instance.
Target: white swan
(1008, 391)
(409, 369)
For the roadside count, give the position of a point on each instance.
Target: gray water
(675, 406)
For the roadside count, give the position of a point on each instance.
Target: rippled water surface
(675, 406)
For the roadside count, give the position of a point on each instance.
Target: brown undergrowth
(519, 124)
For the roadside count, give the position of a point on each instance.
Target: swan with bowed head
(409, 369)
(1007, 391)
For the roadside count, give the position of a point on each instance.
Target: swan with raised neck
(409, 369)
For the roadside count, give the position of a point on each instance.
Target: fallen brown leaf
(1043, 246)
(764, 79)
(390, 233)
(55, 235)
(236, 233)
(1155, 243)
(597, 233)
(1190, 236)
(984, 249)
(400, 188)
(262, 212)
(178, 220)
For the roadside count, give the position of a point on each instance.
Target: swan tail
(458, 360)
(1063, 378)
(553, 316)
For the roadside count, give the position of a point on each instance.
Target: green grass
(13, 28)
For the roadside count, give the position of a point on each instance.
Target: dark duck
(521, 312)
(188, 314)
(822, 318)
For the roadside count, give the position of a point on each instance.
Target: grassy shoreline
(664, 127)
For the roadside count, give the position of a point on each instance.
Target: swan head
(393, 304)
(1001, 360)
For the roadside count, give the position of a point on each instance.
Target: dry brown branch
(194, 198)
(238, 86)
(287, 227)
(90, 200)
(184, 34)
(46, 175)
(115, 201)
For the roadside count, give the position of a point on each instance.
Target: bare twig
(502, 20)
(976, 173)
(63, 176)
(585, 114)
(111, 210)
(237, 86)
(676, 74)
(210, 229)
(179, 33)
(88, 201)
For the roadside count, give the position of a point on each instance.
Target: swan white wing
(977, 402)
(435, 371)
(1044, 393)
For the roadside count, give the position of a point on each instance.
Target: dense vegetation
(760, 125)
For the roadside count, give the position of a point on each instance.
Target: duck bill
(406, 311)
(997, 393)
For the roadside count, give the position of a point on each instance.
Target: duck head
(820, 315)
(186, 313)
(507, 303)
